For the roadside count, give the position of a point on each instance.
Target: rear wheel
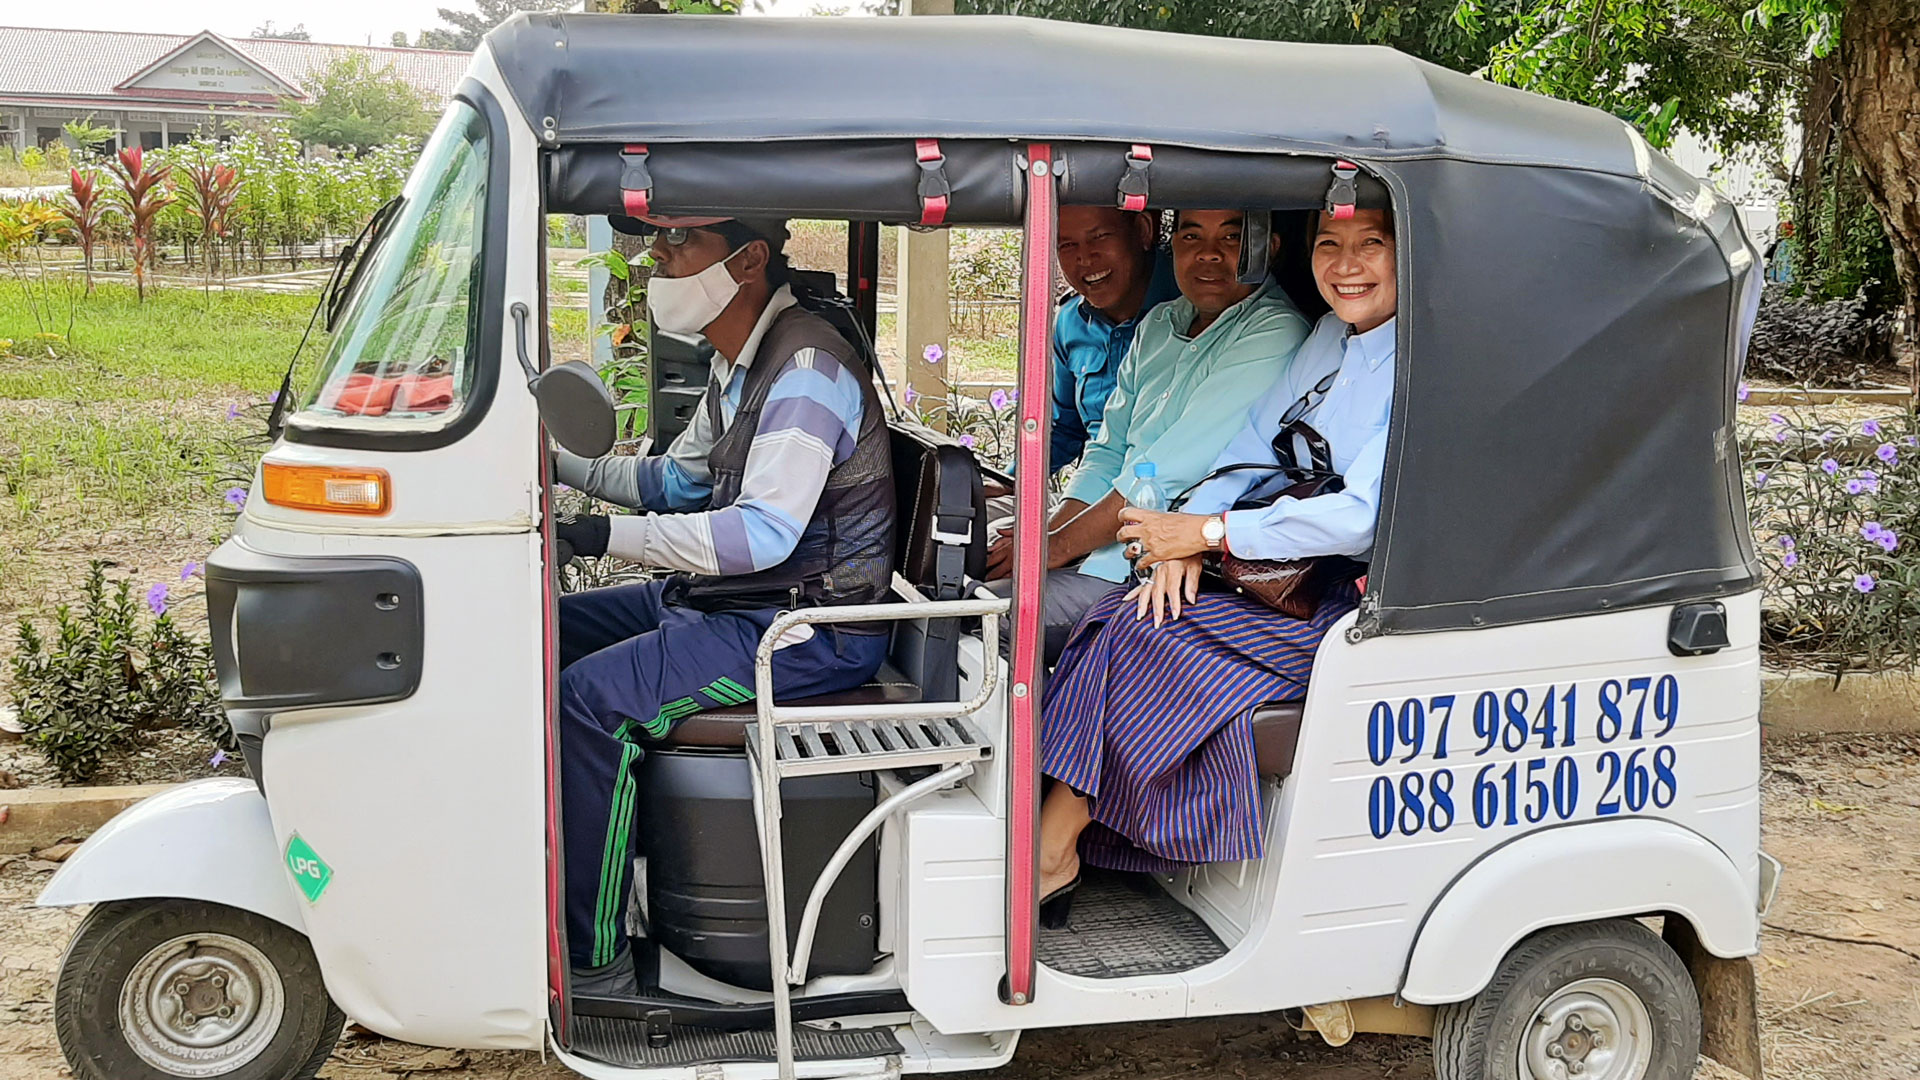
(153, 989)
(1597, 1001)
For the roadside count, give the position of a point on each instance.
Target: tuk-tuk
(1535, 741)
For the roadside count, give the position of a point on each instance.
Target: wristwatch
(1214, 531)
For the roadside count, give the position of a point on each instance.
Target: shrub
(1836, 519)
(107, 675)
(1829, 343)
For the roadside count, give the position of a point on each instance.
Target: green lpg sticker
(308, 868)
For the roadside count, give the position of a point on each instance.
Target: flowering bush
(985, 427)
(1836, 517)
(108, 674)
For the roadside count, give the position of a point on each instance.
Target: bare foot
(1053, 878)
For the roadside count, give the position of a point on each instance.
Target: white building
(159, 89)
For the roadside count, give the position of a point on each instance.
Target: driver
(779, 495)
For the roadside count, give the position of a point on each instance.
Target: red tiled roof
(42, 63)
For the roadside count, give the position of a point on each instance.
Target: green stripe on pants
(611, 905)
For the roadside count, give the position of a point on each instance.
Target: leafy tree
(89, 135)
(297, 32)
(1423, 28)
(1860, 58)
(357, 106)
(399, 39)
(464, 29)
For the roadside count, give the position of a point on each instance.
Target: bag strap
(1307, 402)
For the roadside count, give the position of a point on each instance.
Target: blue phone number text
(1536, 790)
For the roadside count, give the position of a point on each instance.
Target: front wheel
(153, 989)
(1595, 1001)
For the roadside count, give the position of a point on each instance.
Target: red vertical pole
(1029, 572)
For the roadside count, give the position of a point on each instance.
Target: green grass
(179, 344)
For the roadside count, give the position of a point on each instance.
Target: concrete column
(921, 291)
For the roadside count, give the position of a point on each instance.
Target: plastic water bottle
(1145, 494)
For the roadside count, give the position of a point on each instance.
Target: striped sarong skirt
(1151, 724)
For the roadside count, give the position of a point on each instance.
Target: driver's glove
(585, 535)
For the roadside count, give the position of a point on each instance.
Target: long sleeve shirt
(1088, 348)
(810, 423)
(1178, 398)
(1352, 418)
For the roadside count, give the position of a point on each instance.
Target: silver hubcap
(1593, 1029)
(201, 1005)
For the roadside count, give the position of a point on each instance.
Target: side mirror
(574, 404)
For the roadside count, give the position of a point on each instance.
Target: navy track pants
(631, 666)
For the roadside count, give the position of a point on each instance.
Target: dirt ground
(1839, 980)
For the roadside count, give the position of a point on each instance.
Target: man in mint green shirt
(1198, 364)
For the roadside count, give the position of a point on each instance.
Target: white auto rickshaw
(1518, 810)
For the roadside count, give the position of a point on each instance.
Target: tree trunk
(1880, 89)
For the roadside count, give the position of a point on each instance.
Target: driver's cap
(737, 231)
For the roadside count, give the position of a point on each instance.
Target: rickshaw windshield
(404, 353)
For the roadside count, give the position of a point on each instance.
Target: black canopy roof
(666, 78)
(1574, 307)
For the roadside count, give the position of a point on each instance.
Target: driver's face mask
(686, 305)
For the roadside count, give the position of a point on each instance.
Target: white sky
(352, 22)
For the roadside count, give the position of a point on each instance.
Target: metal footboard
(789, 740)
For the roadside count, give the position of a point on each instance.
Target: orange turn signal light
(326, 488)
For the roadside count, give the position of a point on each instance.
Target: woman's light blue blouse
(1353, 419)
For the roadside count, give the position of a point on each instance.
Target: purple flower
(1912, 440)
(236, 497)
(1789, 560)
(189, 570)
(1786, 543)
(911, 395)
(1856, 486)
(967, 441)
(1887, 453)
(273, 398)
(1872, 530)
(1864, 583)
(999, 400)
(1829, 466)
(933, 354)
(1759, 479)
(1780, 436)
(1741, 394)
(1870, 479)
(157, 598)
(233, 412)
(219, 758)
(1888, 541)
(1871, 428)
(1776, 418)
(1826, 437)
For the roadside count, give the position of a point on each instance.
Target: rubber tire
(1479, 1039)
(115, 936)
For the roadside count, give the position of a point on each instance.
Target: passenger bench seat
(1276, 732)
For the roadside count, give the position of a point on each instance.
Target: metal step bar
(789, 740)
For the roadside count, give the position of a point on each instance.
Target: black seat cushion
(727, 728)
(1276, 731)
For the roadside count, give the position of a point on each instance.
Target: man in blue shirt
(1108, 258)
